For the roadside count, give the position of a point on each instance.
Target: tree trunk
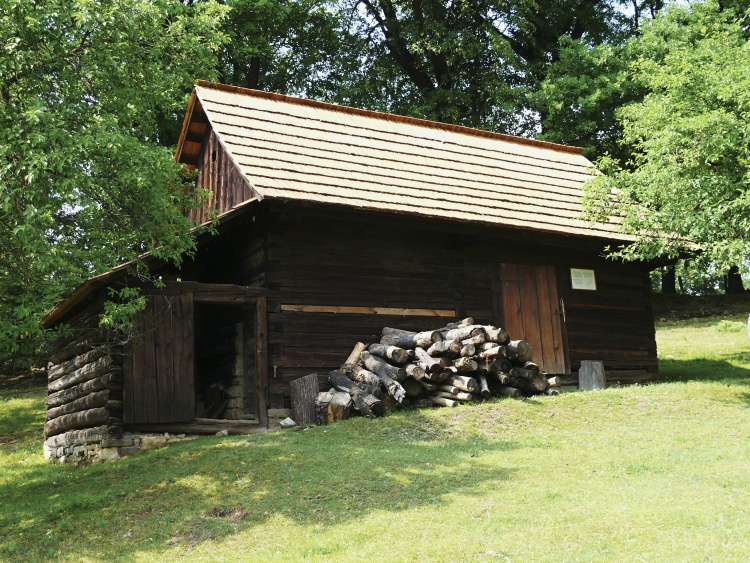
(303, 392)
(668, 280)
(733, 284)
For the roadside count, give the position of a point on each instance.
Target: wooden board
(531, 312)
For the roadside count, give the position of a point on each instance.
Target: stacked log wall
(84, 392)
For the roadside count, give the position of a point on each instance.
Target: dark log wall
(221, 177)
(338, 257)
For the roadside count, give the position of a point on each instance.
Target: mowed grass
(642, 473)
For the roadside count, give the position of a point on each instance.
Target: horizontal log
(360, 374)
(468, 351)
(87, 436)
(393, 353)
(93, 400)
(496, 335)
(475, 340)
(428, 386)
(106, 381)
(426, 362)
(458, 324)
(85, 373)
(83, 419)
(554, 381)
(383, 371)
(440, 401)
(465, 364)
(495, 351)
(394, 311)
(465, 383)
(57, 371)
(369, 405)
(464, 332)
(415, 372)
(377, 365)
(356, 353)
(518, 350)
(445, 347)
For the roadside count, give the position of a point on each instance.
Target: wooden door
(531, 311)
(159, 382)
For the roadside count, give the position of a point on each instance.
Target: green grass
(642, 473)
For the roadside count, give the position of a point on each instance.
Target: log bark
(448, 389)
(428, 386)
(82, 389)
(518, 350)
(484, 388)
(303, 392)
(392, 386)
(445, 347)
(464, 383)
(440, 401)
(340, 381)
(475, 340)
(321, 407)
(57, 371)
(532, 367)
(458, 324)
(412, 388)
(360, 374)
(426, 362)
(465, 364)
(494, 351)
(553, 381)
(82, 419)
(468, 351)
(464, 332)
(353, 358)
(497, 335)
(591, 375)
(378, 365)
(340, 407)
(510, 392)
(89, 371)
(393, 353)
(415, 372)
(402, 340)
(407, 339)
(93, 400)
(369, 405)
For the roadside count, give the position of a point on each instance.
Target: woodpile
(454, 364)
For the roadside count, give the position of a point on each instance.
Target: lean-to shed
(335, 222)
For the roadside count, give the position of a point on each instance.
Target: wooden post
(261, 359)
(303, 392)
(591, 375)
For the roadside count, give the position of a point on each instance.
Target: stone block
(108, 453)
(152, 441)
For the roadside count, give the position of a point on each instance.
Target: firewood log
(484, 389)
(321, 407)
(549, 391)
(458, 324)
(408, 339)
(497, 335)
(495, 351)
(392, 386)
(360, 374)
(460, 396)
(520, 373)
(553, 381)
(465, 364)
(445, 347)
(464, 332)
(302, 392)
(376, 364)
(412, 388)
(465, 383)
(356, 353)
(415, 372)
(475, 340)
(448, 389)
(428, 386)
(340, 407)
(369, 405)
(425, 361)
(532, 367)
(510, 392)
(518, 350)
(340, 381)
(393, 353)
(468, 351)
(442, 402)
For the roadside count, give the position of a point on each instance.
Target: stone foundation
(93, 445)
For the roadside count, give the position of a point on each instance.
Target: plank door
(531, 311)
(159, 382)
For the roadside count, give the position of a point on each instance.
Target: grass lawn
(652, 473)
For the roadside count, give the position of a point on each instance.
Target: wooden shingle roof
(295, 149)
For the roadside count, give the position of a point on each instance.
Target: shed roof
(296, 149)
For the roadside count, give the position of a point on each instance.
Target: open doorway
(225, 372)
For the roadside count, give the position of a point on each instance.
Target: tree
(91, 96)
(687, 182)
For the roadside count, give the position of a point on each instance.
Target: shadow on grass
(213, 488)
(727, 370)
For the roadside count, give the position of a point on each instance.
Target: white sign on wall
(583, 279)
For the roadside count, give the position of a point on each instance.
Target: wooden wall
(327, 256)
(220, 176)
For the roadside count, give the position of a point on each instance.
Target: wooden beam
(261, 358)
(370, 310)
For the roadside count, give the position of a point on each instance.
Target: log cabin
(333, 223)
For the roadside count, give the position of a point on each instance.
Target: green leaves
(687, 181)
(91, 97)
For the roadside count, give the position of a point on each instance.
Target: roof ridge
(389, 117)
